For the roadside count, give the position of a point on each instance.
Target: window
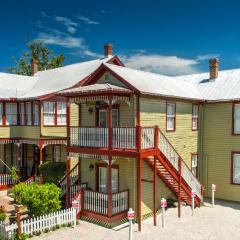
(22, 113)
(115, 117)
(236, 168)
(36, 114)
(194, 164)
(171, 116)
(236, 118)
(1, 113)
(56, 153)
(61, 113)
(29, 113)
(195, 116)
(49, 113)
(11, 113)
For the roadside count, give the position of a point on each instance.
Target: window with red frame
(29, 113)
(1, 113)
(11, 113)
(171, 116)
(54, 113)
(195, 116)
(236, 118)
(22, 113)
(35, 114)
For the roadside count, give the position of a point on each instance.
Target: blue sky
(169, 37)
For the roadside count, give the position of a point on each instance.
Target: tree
(36, 51)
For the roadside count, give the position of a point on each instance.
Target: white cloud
(68, 23)
(87, 20)
(60, 39)
(207, 56)
(167, 65)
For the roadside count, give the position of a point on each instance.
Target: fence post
(19, 231)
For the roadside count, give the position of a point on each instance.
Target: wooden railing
(73, 177)
(30, 180)
(171, 154)
(122, 137)
(6, 179)
(74, 189)
(89, 137)
(98, 202)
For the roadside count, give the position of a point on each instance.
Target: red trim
(155, 192)
(233, 110)
(195, 129)
(174, 125)
(138, 111)
(232, 154)
(116, 61)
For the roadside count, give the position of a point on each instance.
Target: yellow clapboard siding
(74, 115)
(20, 132)
(218, 142)
(184, 140)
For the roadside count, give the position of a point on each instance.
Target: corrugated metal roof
(225, 87)
(156, 84)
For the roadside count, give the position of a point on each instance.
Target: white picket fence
(6, 179)
(40, 224)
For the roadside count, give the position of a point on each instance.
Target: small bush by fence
(35, 226)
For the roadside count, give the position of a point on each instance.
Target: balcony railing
(122, 137)
(98, 203)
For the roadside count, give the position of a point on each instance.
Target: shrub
(40, 199)
(52, 171)
(2, 214)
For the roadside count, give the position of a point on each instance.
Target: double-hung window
(35, 114)
(22, 113)
(236, 168)
(57, 153)
(49, 113)
(171, 116)
(11, 113)
(29, 113)
(194, 164)
(1, 113)
(195, 116)
(236, 118)
(61, 113)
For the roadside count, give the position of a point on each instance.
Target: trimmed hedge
(52, 171)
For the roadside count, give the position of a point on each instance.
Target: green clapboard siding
(184, 140)
(218, 143)
(20, 132)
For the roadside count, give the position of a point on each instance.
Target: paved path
(219, 223)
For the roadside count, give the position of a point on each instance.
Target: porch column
(155, 192)
(110, 122)
(68, 124)
(139, 193)
(179, 186)
(40, 152)
(110, 187)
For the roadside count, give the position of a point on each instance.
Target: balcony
(125, 138)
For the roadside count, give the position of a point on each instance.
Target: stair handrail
(187, 174)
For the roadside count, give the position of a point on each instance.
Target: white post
(193, 194)
(130, 218)
(213, 194)
(163, 205)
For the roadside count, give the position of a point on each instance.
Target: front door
(102, 179)
(103, 117)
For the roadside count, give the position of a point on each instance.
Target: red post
(68, 124)
(68, 181)
(179, 186)
(110, 122)
(156, 137)
(40, 152)
(139, 192)
(19, 223)
(138, 111)
(110, 187)
(155, 193)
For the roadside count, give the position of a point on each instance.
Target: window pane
(170, 116)
(48, 116)
(11, 113)
(29, 113)
(237, 118)
(103, 179)
(57, 153)
(1, 113)
(115, 117)
(114, 180)
(36, 114)
(236, 168)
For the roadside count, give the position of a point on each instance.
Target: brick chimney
(34, 66)
(213, 68)
(108, 50)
